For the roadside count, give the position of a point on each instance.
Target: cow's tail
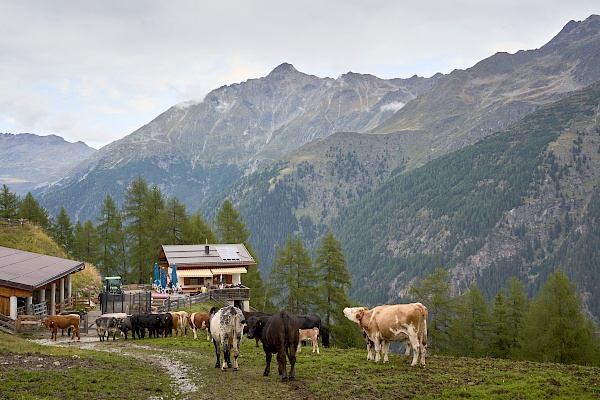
(423, 328)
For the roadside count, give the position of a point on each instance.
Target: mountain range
(489, 172)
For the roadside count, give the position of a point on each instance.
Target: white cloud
(392, 106)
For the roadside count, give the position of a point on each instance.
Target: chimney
(206, 250)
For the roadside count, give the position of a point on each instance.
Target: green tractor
(113, 285)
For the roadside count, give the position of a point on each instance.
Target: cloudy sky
(96, 70)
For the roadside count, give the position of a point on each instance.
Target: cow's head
(354, 314)
(254, 325)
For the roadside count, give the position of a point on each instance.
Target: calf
(309, 334)
(280, 335)
(227, 329)
(54, 322)
(106, 326)
(200, 320)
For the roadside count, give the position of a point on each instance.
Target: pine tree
(331, 269)
(111, 238)
(139, 229)
(293, 278)
(436, 294)
(62, 230)
(228, 225)
(30, 209)
(471, 327)
(85, 242)
(517, 306)
(197, 231)
(176, 220)
(230, 228)
(556, 329)
(9, 203)
(500, 342)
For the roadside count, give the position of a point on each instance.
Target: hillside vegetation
(30, 370)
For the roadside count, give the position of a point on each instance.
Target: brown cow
(200, 320)
(54, 322)
(309, 334)
(393, 323)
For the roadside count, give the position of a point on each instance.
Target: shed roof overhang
(30, 271)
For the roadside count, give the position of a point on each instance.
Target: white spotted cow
(227, 329)
(393, 323)
(309, 334)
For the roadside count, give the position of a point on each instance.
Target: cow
(81, 316)
(280, 335)
(247, 315)
(200, 320)
(166, 325)
(181, 323)
(124, 326)
(393, 323)
(309, 334)
(106, 326)
(227, 329)
(141, 322)
(175, 322)
(54, 322)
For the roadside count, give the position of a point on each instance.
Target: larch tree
(335, 281)
(471, 327)
(62, 230)
(230, 228)
(556, 328)
(436, 294)
(9, 203)
(293, 278)
(111, 238)
(85, 242)
(30, 209)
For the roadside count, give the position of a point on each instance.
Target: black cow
(141, 322)
(125, 326)
(310, 321)
(166, 324)
(248, 314)
(278, 335)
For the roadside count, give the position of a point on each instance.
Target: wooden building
(31, 281)
(215, 267)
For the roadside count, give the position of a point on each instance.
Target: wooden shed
(31, 281)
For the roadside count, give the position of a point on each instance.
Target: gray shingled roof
(218, 255)
(29, 271)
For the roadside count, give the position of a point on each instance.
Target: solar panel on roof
(228, 253)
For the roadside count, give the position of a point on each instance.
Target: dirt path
(185, 383)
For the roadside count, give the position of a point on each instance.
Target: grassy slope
(30, 238)
(335, 373)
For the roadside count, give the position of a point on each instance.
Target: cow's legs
(268, 359)
(414, 343)
(385, 349)
(292, 357)
(226, 355)
(281, 362)
(377, 345)
(218, 351)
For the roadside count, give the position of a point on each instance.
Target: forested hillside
(522, 202)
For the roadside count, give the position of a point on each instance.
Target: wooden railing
(7, 324)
